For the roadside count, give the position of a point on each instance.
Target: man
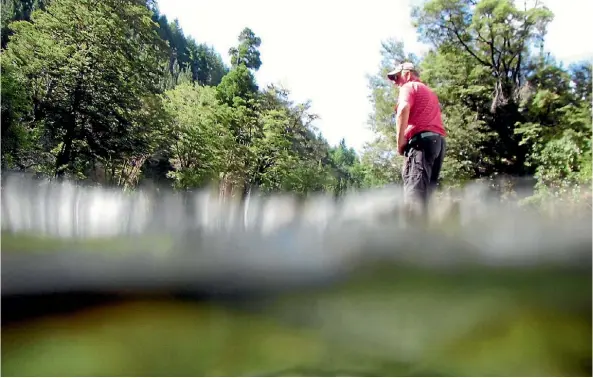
(420, 136)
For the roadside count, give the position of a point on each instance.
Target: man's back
(425, 110)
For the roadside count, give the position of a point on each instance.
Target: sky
(323, 50)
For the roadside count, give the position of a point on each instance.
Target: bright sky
(322, 50)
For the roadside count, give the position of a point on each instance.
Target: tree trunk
(63, 159)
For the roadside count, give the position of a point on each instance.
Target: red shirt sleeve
(406, 93)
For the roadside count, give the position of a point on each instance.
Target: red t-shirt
(425, 109)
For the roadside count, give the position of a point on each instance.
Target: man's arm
(405, 103)
(403, 113)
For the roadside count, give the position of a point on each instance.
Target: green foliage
(558, 161)
(187, 60)
(16, 106)
(508, 108)
(207, 67)
(464, 95)
(558, 130)
(561, 153)
(238, 83)
(287, 153)
(582, 81)
(349, 173)
(93, 88)
(198, 136)
(247, 53)
(116, 93)
(492, 40)
(380, 163)
(17, 10)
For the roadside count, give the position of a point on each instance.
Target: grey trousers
(422, 167)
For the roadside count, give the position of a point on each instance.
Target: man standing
(420, 136)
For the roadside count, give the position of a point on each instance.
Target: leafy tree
(247, 53)
(348, 172)
(496, 37)
(207, 67)
(239, 91)
(286, 153)
(17, 10)
(93, 69)
(581, 80)
(558, 128)
(464, 94)
(18, 140)
(187, 60)
(380, 164)
(81, 84)
(199, 135)
(508, 106)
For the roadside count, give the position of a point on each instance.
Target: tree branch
(465, 46)
(492, 50)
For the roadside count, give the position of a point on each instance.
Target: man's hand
(401, 146)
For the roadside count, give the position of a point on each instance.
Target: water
(316, 286)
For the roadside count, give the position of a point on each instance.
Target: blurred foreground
(99, 282)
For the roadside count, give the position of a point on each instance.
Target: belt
(421, 135)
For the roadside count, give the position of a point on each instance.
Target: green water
(385, 320)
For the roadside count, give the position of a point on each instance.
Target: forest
(113, 93)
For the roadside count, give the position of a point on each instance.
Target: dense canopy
(114, 93)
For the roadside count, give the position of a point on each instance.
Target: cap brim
(391, 75)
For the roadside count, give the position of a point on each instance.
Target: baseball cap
(406, 66)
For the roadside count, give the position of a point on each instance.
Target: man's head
(403, 73)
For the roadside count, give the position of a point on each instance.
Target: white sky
(322, 50)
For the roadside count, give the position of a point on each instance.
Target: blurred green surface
(384, 321)
(23, 242)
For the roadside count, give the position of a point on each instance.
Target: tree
(347, 171)
(207, 67)
(188, 60)
(82, 85)
(463, 89)
(93, 69)
(581, 78)
(17, 10)
(18, 141)
(199, 135)
(238, 91)
(304, 160)
(247, 53)
(508, 106)
(496, 37)
(557, 128)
